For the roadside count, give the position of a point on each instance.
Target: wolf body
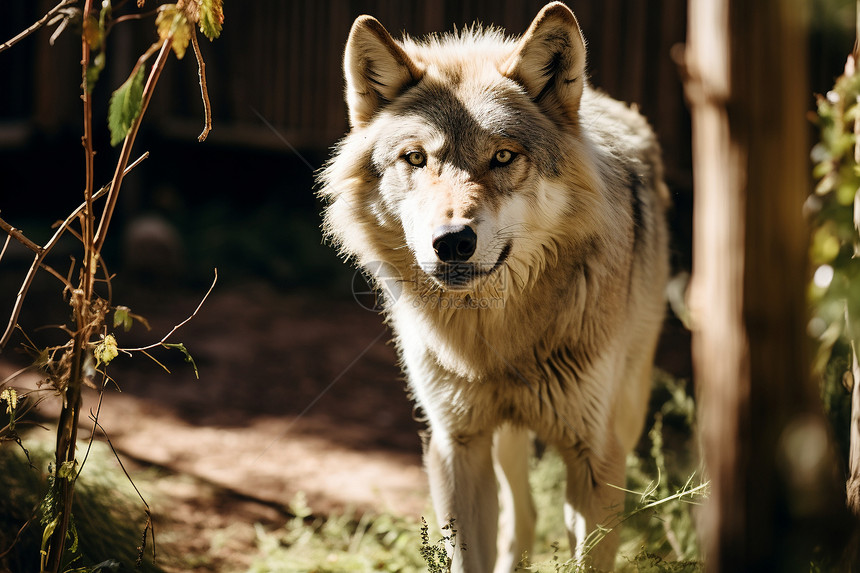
(513, 219)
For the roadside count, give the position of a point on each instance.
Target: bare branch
(20, 531)
(180, 325)
(37, 262)
(5, 246)
(128, 17)
(44, 20)
(18, 235)
(204, 92)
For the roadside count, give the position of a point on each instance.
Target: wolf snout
(454, 243)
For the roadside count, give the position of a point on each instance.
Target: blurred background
(296, 375)
(276, 87)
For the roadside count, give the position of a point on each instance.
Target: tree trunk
(765, 442)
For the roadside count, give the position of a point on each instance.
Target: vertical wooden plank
(669, 111)
(610, 47)
(339, 22)
(638, 62)
(765, 442)
(293, 62)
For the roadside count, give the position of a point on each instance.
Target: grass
(657, 525)
(109, 518)
(339, 544)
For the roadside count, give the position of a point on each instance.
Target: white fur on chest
(525, 382)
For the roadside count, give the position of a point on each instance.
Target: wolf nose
(454, 243)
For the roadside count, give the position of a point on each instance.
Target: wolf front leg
(463, 487)
(593, 501)
(512, 448)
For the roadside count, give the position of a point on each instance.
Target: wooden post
(765, 442)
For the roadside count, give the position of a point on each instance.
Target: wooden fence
(282, 61)
(278, 62)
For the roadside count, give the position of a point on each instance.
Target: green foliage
(211, 18)
(125, 106)
(834, 211)
(107, 518)
(339, 544)
(122, 316)
(10, 396)
(106, 350)
(435, 555)
(172, 22)
(645, 562)
(834, 207)
(181, 347)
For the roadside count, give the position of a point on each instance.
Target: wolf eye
(416, 159)
(502, 157)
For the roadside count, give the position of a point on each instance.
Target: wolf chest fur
(514, 220)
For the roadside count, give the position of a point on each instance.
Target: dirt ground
(297, 393)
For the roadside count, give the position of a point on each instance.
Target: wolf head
(452, 171)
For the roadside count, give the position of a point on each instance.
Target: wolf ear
(376, 68)
(549, 62)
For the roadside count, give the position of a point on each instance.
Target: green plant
(91, 345)
(106, 509)
(834, 291)
(337, 544)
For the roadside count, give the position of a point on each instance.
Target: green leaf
(125, 106)
(94, 70)
(68, 470)
(188, 358)
(106, 350)
(48, 532)
(93, 33)
(172, 22)
(121, 317)
(10, 396)
(211, 18)
(42, 359)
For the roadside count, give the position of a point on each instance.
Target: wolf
(513, 219)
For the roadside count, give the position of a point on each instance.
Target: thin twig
(127, 144)
(88, 217)
(95, 418)
(66, 282)
(56, 9)
(37, 262)
(18, 236)
(151, 357)
(131, 481)
(20, 531)
(204, 92)
(5, 246)
(181, 324)
(127, 17)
